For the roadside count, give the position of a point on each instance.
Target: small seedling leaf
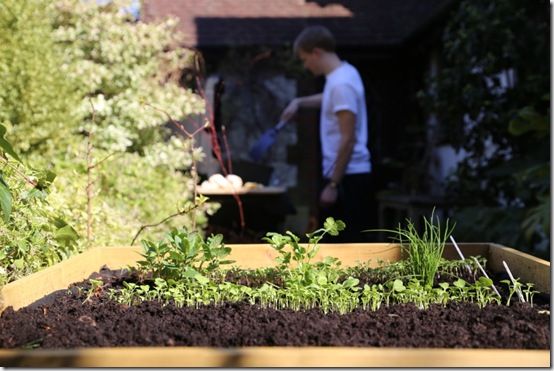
(398, 286)
(460, 283)
(484, 281)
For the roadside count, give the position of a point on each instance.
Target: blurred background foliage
(74, 71)
(492, 99)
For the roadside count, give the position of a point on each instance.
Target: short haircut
(314, 37)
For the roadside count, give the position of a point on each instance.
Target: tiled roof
(207, 23)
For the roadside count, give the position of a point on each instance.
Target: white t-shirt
(344, 90)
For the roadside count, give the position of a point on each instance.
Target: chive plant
(425, 251)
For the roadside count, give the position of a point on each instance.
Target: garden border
(38, 286)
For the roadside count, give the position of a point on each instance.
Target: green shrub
(74, 71)
(38, 102)
(35, 235)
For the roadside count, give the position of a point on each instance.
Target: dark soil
(67, 323)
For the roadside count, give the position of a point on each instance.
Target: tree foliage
(491, 96)
(129, 72)
(37, 102)
(76, 71)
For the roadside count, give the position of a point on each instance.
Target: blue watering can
(260, 148)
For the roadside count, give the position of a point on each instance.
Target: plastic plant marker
(486, 275)
(460, 252)
(519, 294)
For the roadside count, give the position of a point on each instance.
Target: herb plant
(425, 251)
(183, 255)
(186, 270)
(299, 253)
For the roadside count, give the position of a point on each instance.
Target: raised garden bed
(381, 345)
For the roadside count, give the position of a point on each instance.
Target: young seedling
(95, 288)
(460, 252)
(482, 291)
(529, 293)
(299, 253)
(517, 285)
(485, 274)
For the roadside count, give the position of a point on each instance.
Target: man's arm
(347, 126)
(310, 101)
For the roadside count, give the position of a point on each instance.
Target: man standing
(346, 187)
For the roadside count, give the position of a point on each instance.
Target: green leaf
(5, 199)
(350, 283)
(398, 286)
(176, 256)
(5, 145)
(321, 279)
(460, 283)
(528, 120)
(193, 273)
(484, 281)
(333, 226)
(329, 260)
(45, 179)
(66, 234)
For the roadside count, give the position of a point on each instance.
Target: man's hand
(328, 196)
(290, 110)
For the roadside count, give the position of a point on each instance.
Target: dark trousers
(355, 206)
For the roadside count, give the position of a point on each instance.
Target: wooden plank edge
(23, 292)
(275, 357)
(525, 266)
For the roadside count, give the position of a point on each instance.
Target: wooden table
(265, 208)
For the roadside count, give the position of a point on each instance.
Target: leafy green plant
(299, 253)
(38, 99)
(442, 293)
(484, 293)
(58, 57)
(186, 270)
(183, 254)
(517, 287)
(372, 296)
(94, 289)
(461, 290)
(33, 233)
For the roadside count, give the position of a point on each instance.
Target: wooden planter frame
(38, 286)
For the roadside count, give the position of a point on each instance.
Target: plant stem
(143, 227)
(486, 275)
(90, 167)
(518, 290)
